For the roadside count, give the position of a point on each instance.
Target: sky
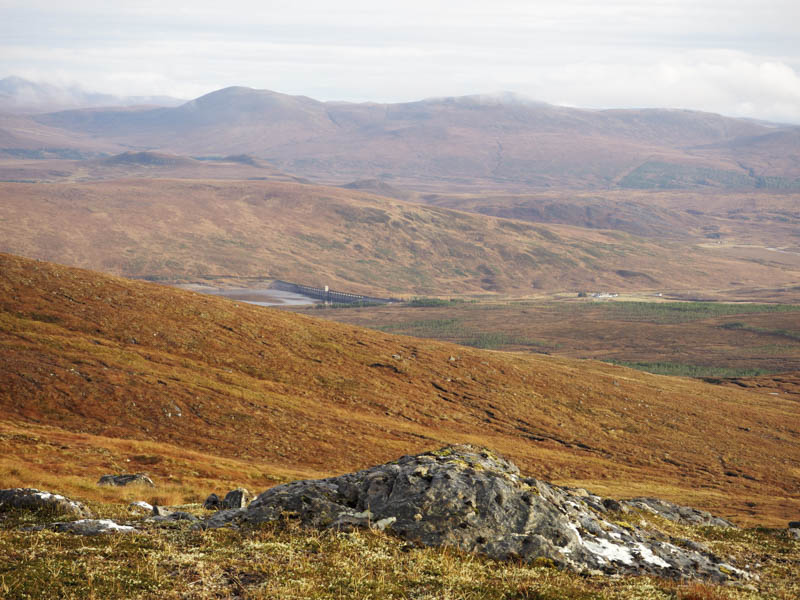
(734, 57)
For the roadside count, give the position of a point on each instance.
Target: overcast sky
(736, 57)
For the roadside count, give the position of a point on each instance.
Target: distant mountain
(20, 95)
(502, 141)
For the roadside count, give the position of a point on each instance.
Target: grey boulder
(39, 501)
(471, 499)
(238, 498)
(91, 527)
(126, 479)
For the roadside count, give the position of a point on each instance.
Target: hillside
(103, 373)
(495, 141)
(347, 239)
(755, 217)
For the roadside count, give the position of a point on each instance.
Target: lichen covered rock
(476, 501)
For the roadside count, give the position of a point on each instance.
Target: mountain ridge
(454, 141)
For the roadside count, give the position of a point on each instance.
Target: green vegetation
(685, 370)
(457, 331)
(364, 304)
(786, 333)
(417, 302)
(684, 312)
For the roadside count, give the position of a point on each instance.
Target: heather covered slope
(133, 369)
(350, 240)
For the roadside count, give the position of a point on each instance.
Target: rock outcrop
(474, 500)
(39, 501)
(238, 498)
(126, 479)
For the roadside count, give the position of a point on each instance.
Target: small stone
(612, 505)
(140, 505)
(160, 511)
(177, 515)
(212, 502)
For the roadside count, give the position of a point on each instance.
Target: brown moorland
(353, 241)
(102, 374)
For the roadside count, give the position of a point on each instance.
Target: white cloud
(739, 58)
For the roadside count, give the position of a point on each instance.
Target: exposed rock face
(238, 498)
(91, 527)
(126, 479)
(471, 499)
(39, 501)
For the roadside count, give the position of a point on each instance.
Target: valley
(608, 298)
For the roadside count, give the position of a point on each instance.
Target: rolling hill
(499, 141)
(353, 241)
(103, 373)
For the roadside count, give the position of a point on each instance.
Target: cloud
(737, 58)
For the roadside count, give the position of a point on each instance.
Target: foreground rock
(471, 499)
(91, 527)
(39, 501)
(126, 479)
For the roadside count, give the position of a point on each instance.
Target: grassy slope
(346, 239)
(130, 375)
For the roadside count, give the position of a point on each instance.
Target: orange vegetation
(199, 388)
